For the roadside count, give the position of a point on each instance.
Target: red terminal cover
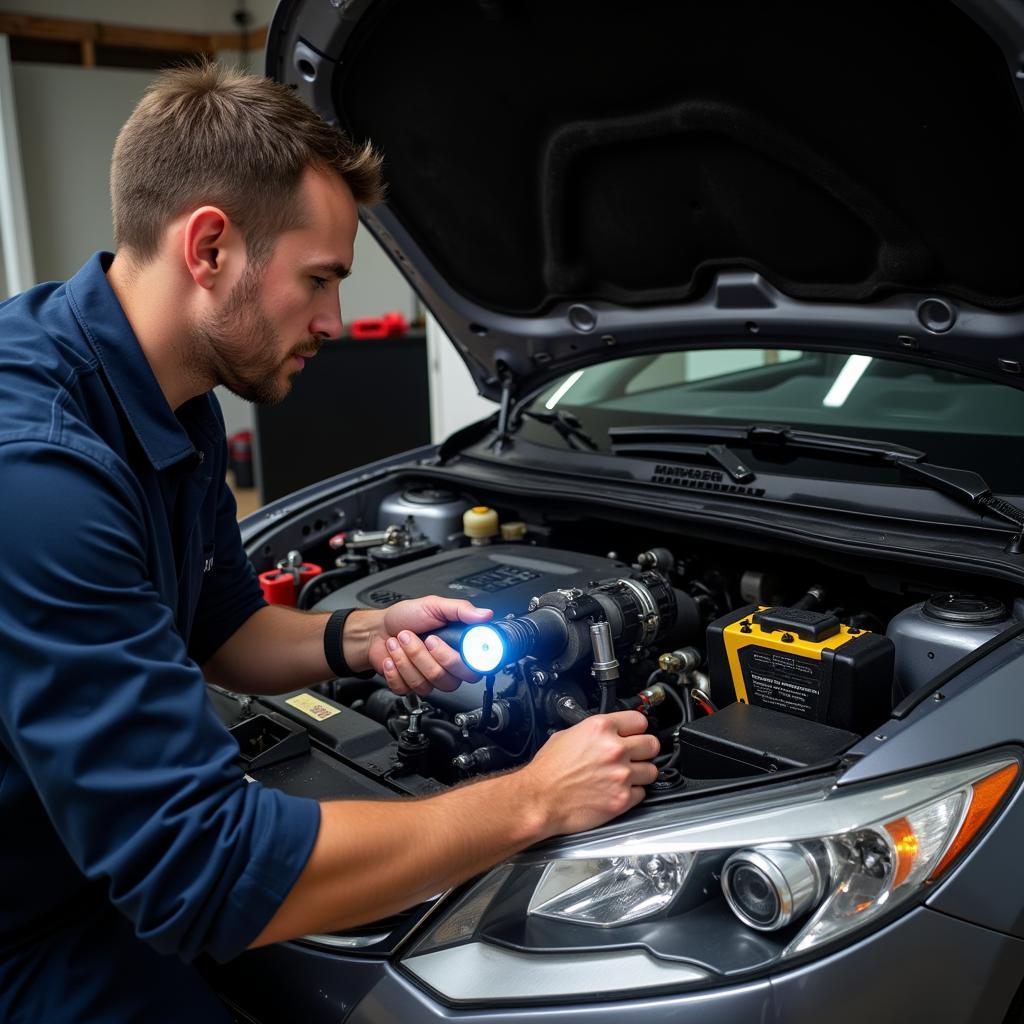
(278, 585)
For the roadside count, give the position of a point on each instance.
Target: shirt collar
(161, 433)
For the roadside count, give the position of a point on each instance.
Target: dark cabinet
(357, 401)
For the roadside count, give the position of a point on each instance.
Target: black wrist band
(333, 650)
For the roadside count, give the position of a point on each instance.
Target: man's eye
(319, 283)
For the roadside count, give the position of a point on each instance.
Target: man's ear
(211, 244)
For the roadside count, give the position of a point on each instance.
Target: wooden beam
(88, 53)
(30, 26)
(256, 38)
(70, 30)
(152, 39)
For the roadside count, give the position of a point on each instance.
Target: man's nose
(327, 323)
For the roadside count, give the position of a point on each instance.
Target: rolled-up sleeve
(108, 716)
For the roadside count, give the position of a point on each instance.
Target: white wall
(68, 118)
(454, 401)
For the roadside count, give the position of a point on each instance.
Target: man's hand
(593, 772)
(410, 665)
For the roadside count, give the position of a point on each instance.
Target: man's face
(280, 314)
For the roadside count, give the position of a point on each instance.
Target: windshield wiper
(726, 458)
(962, 485)
(568, 426)
(768, 435)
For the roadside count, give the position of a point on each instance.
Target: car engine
(741, 670)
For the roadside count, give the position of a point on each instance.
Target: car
(744, 284)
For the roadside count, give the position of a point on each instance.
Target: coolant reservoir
(480, 524)
(932, 635)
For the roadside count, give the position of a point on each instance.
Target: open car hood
(575, 179)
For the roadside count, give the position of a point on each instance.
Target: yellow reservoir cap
(480, 522)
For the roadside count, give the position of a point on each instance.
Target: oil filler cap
(969, 609)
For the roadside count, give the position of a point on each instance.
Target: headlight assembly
(706, 891)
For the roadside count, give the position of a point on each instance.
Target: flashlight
(483, 649)
(490, 646)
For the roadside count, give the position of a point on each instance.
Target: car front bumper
(925, 966)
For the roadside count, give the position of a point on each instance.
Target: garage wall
(68, 119)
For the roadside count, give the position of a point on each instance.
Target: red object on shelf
(390, 325)
(279, 585)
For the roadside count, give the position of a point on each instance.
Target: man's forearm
(279, 649)
(372, 859)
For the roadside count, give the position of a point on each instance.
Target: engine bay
(742, 667)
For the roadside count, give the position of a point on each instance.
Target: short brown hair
(202, 134)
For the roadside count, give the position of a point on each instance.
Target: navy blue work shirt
(129, 841)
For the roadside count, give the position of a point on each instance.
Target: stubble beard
(240, 348)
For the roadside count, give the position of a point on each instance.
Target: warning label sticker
(785, 682)
(312, 706)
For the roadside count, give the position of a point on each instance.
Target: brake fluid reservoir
(932, 635)
(437, 511)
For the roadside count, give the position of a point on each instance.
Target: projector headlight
(769, 874)
(771, 886)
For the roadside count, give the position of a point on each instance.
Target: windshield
(957, 420)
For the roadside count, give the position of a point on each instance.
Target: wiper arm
(568, 426)
(728, 460)
(770, 435)
(963, 485)
(971, 489)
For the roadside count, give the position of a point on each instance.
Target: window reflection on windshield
(958, 420)
(823, 390)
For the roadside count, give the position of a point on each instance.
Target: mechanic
(132, 844)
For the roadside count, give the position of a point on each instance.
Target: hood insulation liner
(550, 150)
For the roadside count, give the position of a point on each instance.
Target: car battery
(803, 663)
(744, 739)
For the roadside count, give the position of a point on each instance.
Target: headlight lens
(706, 890)
(609, 892)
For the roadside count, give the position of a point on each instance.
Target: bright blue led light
(483, 649)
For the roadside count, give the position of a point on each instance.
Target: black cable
(302, 600)
(685, 711)
(533, 725)
(441, 734)
(442, 723)
(677, 752)
(608, 695)
(488, 703)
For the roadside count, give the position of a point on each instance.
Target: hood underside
(561, 168)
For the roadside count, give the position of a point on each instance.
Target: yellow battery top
(783, 638)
